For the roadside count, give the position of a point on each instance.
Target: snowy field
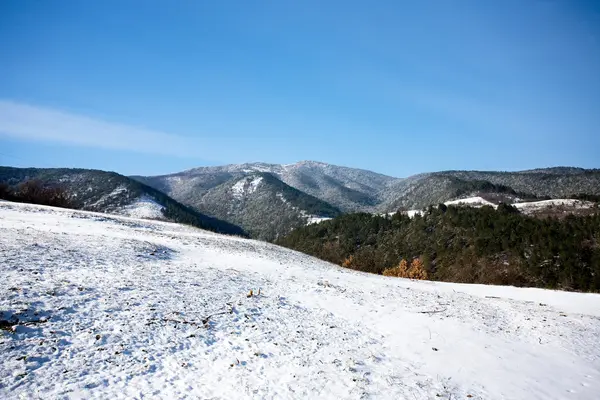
(532, 207)
(471, 201)
(107, 307)
(527, 208)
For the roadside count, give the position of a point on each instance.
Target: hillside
(348, 189)
(465, 244)
(109, 307)
(558, 182)
(263, 205)
(257, 201)
(102, 191)
(434, 188)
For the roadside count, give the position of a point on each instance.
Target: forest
(463, 244)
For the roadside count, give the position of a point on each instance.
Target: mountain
(351, 189)
(254, 199)
(275, 198)
(560, 182)
(348, 189)
(109, 192)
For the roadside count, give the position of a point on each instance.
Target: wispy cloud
(34, 123)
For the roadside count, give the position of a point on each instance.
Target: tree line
(35, 192)
(463, 244)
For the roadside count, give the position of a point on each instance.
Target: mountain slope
(348, 189)
(263, 205)
(120, 308)
(109, 192)
(555, 182)
(433, 188)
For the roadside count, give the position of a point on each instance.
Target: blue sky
(148, 87)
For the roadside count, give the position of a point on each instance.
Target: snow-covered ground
(144, 207)
(526, 207)
(315, 219)
(99, 306)
(471, 201)
(534, 206)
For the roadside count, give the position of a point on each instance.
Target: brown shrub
(402, 270)
(348, 262)
(417, 271)
(399, 271)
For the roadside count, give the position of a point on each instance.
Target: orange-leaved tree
(402, 270)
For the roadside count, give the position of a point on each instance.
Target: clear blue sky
(148, 87)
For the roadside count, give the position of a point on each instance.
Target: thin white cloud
(34, 123)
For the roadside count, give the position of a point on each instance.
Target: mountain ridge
(289, 196)
(255, 199)
(354, 189)
(110, 192)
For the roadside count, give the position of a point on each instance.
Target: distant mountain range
(351, 189)
(270, 200)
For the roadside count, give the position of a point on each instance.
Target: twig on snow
(204, 321)
(432, 311)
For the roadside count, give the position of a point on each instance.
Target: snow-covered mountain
(351, 189)
(263, 205)
(348, 189)
(250, 195)
(110, 192)
(99, 306)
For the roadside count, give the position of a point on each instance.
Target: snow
(143, 207)
(117, 191)
(174, 179)
(254, 184)
(238, 188)
(254, 168)
(281, 197)
(117, 307)
(539, 205)
(412, 213)
(471, 201)
(315, 219)
(525, 208)
(245, 186)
